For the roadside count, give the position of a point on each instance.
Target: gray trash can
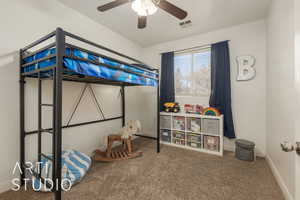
(245, 150)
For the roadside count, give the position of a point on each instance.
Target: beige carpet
(174, 174)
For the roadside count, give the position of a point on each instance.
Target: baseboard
(5, 186)
(279, 179)
(231, 148)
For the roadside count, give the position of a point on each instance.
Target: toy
(194, 109)
(188, 108)
(125, 137)
(199, 109)
(172, 107)
(211, 111)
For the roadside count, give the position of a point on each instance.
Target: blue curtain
(167, 90)
(221, 87)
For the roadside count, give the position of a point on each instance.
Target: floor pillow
(75, 165)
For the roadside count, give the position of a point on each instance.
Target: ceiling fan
(145, 8)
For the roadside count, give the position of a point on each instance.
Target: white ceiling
(206, 15)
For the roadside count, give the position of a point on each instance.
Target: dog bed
(75, 165)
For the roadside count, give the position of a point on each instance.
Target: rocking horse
(125, 137)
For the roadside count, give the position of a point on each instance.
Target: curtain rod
(198, 47)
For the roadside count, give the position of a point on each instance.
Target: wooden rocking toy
(126, 152)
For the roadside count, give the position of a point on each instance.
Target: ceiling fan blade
(142, 23)
(111, 5)
(172, 9)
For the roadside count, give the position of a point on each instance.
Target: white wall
(248, 98)
(281, 102)
(23, 22)
(297, 84)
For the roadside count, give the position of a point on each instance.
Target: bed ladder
(55, 131)
(41, 105)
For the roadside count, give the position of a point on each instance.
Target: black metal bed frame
(58, 77)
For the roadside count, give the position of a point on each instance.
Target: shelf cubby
(192, 131)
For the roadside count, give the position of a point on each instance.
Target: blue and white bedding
(75, 165)
(77, 66)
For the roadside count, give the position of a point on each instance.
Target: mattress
(93, 65)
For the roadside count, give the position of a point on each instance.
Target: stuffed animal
(132, 127)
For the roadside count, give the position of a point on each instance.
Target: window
(192, 74)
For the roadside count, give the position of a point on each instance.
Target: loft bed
(62, 61)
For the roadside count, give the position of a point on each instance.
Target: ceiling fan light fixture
(144, 7)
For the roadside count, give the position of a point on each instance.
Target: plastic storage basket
(179, 123)
(211, 143)
(193, 124)
(178, 135)
(245, 150)
(165, 135)
(210, 126)
(165, 122)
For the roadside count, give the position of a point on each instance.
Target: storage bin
(178, 135)
(194, 137)
(245, 150)
(194, 124)
(211, 143)
(179, 123)
(194, 144)
(178, 141)
(210, 126)
(165, 135)
(165, 122)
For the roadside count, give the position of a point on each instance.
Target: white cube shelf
(194, 132)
